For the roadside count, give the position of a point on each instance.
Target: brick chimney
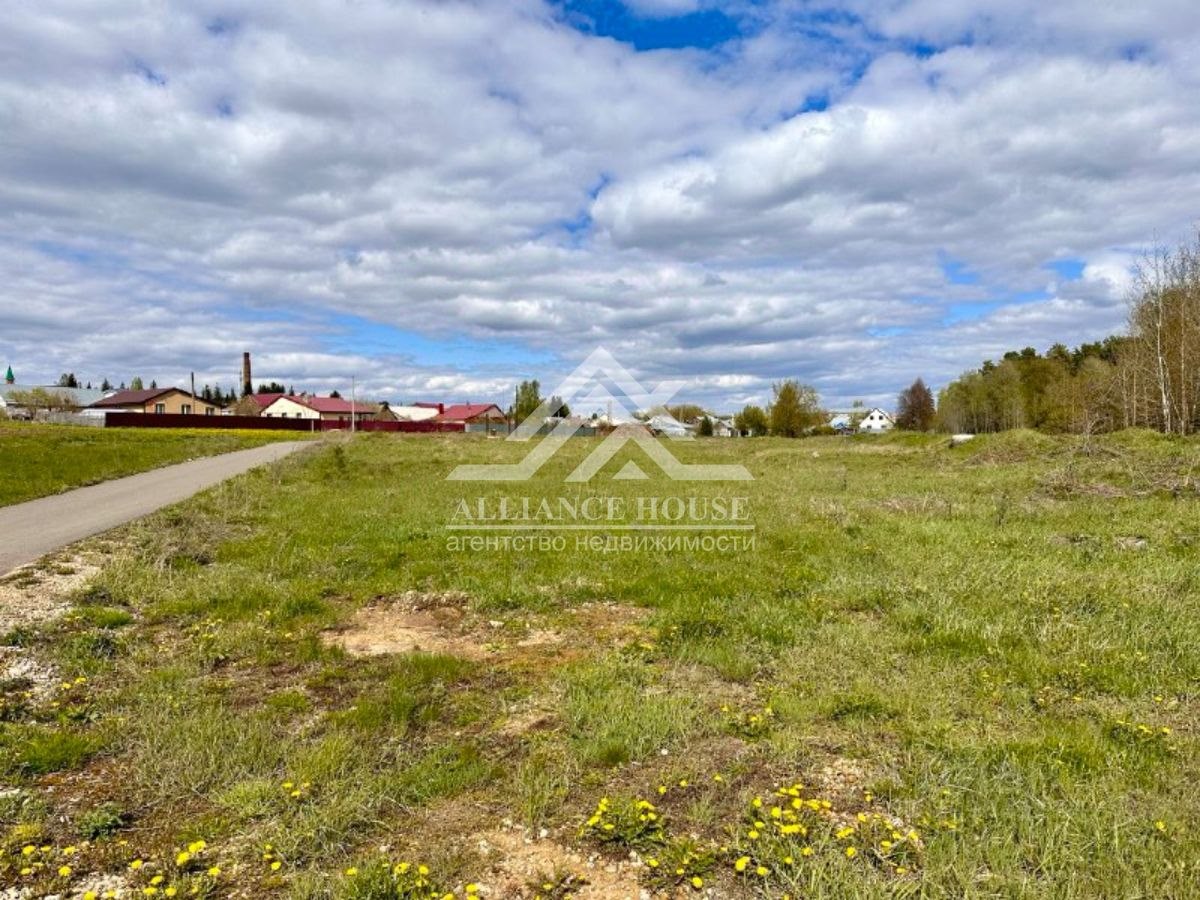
(247, 383)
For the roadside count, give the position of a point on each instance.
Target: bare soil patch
(442, 623)
(520, 863)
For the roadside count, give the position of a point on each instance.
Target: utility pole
(193, 393)
(353, 427)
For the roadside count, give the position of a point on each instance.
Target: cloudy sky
(442, 197)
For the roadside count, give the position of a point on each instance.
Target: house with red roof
(472, 414)
(327, 409)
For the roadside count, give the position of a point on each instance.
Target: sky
(442, 198)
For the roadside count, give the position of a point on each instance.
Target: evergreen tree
(706, 427)
(136, 384)
(105, 386)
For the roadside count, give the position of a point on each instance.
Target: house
(158, 401)
(253, 404)
(724, 427)
(668, 425)
(473, 414)
(418, 412)
(25, 401)
(876, 421)
(842, 423)
(326, 409)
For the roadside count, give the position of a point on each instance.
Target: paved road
(30, 530)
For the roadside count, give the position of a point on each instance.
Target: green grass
(992, 644)
(37, 460)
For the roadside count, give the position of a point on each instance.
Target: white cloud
(185, 185)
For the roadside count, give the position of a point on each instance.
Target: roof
(416, 413)
(79, 396)
(265, 400)
(135, 398)
(331, 405)
(460, 412)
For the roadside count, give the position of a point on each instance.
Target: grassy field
(939, 672)
(36, 460)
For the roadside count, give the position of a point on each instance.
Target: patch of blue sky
(1067, 269)
(357, 335)
(82, 256)
(703, 29)
(968, 312)
(956, 271)
(889, 331)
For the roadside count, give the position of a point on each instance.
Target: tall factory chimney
(247, 384)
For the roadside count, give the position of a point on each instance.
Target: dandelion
(214, 871)
(697, 882)
(275, 866)
(851, 853)
(741, 863)
(64, 871)
(182, 858)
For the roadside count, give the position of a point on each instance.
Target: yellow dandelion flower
(697, 882)
(64, 871)
(851, 853)
(741, 863)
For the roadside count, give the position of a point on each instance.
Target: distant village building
(724, 427)
(418, 412)
(254, 404)
(29, 401)
(668, 425)
(876, 421)
(158, 401)
(327, 409)
(472, 414)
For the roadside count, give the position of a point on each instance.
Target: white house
(668, 425)
(335, 409)
(724, 427)
(876, 421)
(414, 413)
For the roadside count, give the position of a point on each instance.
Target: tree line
(1146, 378)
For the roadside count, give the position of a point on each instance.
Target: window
(186, 409)
(160, 408)
(208, 410)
